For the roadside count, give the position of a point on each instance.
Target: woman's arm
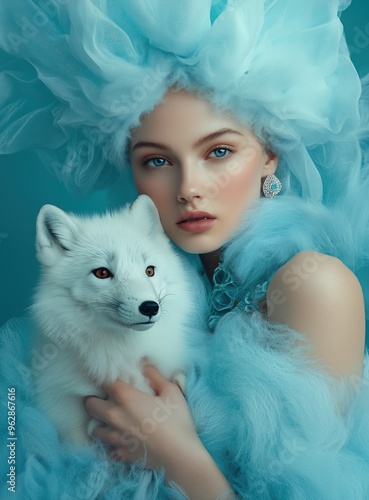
(160, 429)
(319, 297)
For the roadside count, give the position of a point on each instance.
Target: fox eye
(102, 273)
(150, 271)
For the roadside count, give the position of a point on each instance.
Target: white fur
(87, 325)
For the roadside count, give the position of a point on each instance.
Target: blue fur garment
(273, 422)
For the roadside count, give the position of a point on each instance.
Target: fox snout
(149, 308)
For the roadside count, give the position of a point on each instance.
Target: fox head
(113, 271)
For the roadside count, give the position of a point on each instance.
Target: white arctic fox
(112, 291)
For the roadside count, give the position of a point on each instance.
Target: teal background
(27, 185)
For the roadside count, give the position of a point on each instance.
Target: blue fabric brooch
(227, 294)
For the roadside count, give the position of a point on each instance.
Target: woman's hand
(139, 425)
(158, 428)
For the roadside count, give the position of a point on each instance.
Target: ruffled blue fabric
(77, 76)
(277, 426)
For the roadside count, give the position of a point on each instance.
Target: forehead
(183, 114)
(117, 238)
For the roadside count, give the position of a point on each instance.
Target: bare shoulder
(317, 295)
(317, 274)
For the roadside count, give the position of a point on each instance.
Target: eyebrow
(200, 142)
(215, 135)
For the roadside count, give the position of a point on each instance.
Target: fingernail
(144, 361)
(116, 455)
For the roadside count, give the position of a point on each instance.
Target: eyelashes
(221, 152)
(155, 162)
(216, 153)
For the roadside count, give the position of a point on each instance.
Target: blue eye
(220, 152)
(156, 162)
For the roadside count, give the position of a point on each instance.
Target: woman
(175, 159)
(207, 108)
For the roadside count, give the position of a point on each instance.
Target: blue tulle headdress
(76, 76)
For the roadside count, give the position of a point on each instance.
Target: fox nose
(149, 308)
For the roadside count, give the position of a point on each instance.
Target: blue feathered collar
(274, 230)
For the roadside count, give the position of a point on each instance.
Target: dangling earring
(271, 186)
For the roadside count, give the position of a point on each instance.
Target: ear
(146, 214)
(271, 163)
(55, 233)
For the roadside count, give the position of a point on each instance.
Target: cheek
(245, 182)
(146, 184)
(140, 183)
(158, 190)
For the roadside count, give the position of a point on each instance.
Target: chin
(198, 247)
(142, 326)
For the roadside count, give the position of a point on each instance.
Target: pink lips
(195, 222)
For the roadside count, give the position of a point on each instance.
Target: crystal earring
(271, 186)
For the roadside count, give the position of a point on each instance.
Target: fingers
(104, 411)
(108, 435)
(116, 388)
(117, 455)
(125, 404)
(156, 379)
(93, 406)
(123, 392)
(124, 445)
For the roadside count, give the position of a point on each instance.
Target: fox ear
(55, 233)
(147, 214)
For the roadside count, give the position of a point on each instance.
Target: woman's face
(202, 170)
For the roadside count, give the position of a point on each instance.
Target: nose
(191, 182)
(149, 308)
